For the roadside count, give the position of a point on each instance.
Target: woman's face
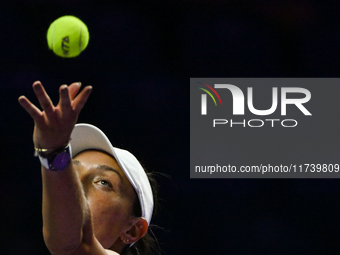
(109, 194)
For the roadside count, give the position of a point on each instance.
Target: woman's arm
(67, 225)
(64, 210)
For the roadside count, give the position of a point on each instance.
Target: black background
(139, 61)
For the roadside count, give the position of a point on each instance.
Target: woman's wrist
(55, 160)
(44, 152)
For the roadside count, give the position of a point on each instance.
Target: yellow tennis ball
(67, 36)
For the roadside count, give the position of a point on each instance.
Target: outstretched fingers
(69, 107)
(65, 100)
(44, 100)
(80, 100)
(32, 110)
(74, 89)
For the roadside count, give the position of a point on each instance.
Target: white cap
(86, 136)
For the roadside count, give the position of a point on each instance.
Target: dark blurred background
(139, 60)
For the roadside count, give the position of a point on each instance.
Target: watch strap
(62, 156)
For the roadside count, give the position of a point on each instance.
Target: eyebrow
(108, 168)
(102, 167)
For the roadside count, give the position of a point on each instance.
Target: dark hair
(148, 244)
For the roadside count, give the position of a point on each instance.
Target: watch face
(61, 160)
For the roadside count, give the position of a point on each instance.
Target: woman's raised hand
(54, 124)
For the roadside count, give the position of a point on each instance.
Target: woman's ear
(137, 231)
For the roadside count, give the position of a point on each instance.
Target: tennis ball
(67, 36)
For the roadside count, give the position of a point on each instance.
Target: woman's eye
(105, 183)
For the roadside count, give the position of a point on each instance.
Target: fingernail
(79, 83)
(21, 98)
(35, 86)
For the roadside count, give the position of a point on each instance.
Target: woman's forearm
(64, 210)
